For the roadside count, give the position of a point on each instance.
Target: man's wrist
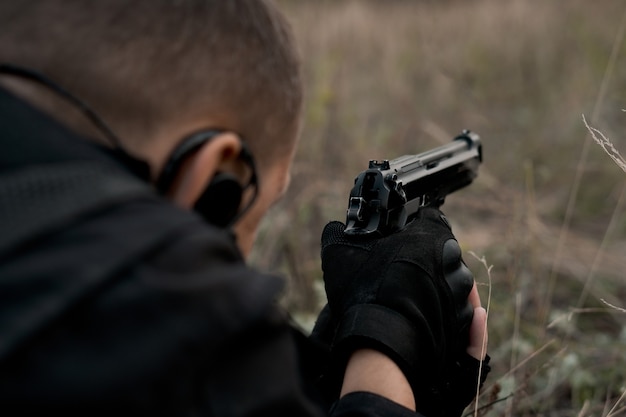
(372, 371)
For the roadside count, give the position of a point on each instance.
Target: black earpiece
(219, 203)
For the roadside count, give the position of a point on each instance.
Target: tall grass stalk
(605, 143)
(611, 227)
(580, 168)
(614, 307)
(615, 411)
(483, 352)
(516, 324)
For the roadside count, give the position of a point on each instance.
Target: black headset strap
(187, 146)
(41, 79)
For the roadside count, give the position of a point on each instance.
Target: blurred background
(543, 227)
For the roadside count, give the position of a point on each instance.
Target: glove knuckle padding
(333, 234)
(460, 282)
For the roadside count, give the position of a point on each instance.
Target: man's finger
(477, 347)
(474, 297)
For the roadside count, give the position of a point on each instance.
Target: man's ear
(219, 154)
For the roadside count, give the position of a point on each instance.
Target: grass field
(386, 78)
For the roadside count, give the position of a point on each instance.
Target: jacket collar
(30, 137)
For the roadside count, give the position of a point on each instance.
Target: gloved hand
(459, 388)
(405, 295)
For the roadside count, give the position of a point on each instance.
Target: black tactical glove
(405, 295)
(459, 388)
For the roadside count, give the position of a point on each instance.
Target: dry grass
(395, 77)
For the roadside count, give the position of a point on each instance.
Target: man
(143, 143)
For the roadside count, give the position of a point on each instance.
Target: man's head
(158, 70)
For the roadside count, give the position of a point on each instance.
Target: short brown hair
(149, 59)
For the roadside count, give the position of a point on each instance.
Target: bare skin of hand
(477, 347)
(371, 371)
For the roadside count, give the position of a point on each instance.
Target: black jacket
(115, 302)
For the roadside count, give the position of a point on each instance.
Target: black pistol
(387, 195)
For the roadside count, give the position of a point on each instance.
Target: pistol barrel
(388, 194)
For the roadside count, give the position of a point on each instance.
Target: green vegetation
(393, 77)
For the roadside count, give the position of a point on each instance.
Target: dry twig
(606, 144)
